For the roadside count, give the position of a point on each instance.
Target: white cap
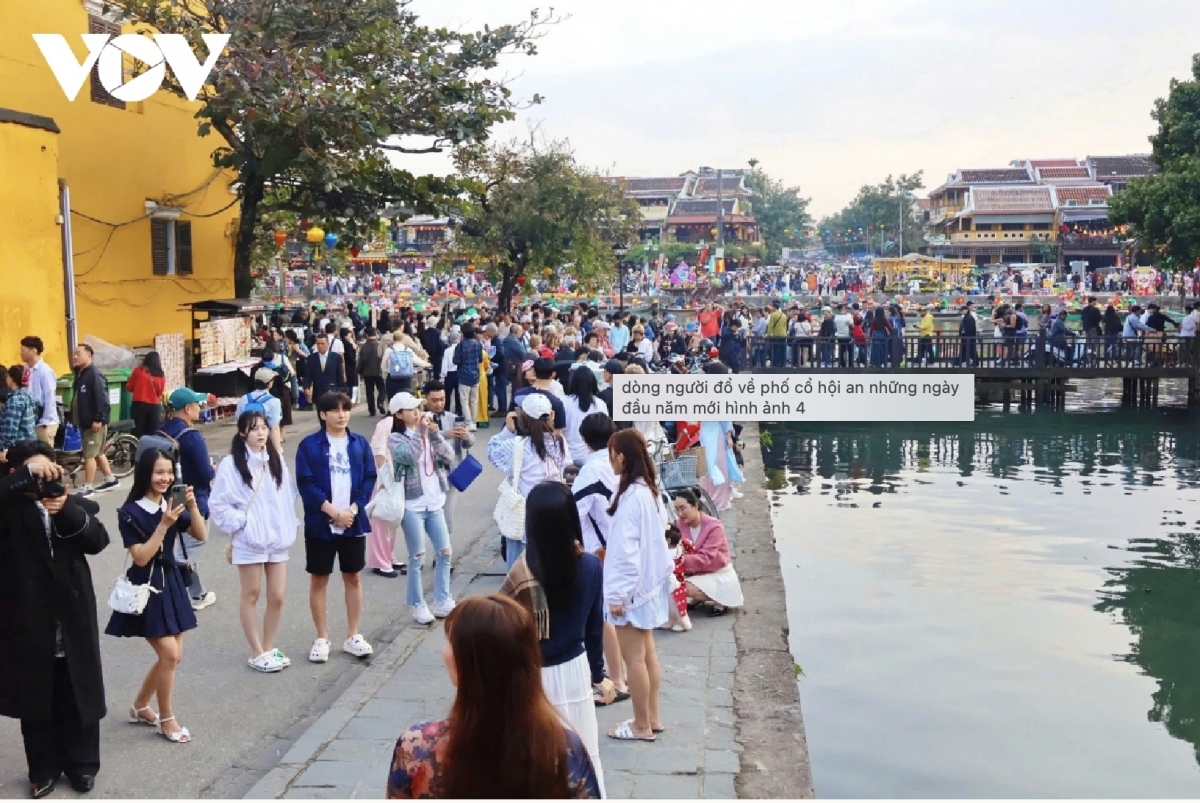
(264, 374)
(535, 405)
(403, 401)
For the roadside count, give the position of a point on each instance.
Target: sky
(829, 95)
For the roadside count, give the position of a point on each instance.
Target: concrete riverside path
(729, 694)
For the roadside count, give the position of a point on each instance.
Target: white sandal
(181, 736)
(136, 718)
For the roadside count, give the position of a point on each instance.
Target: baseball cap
(614, 367)
(536, 405)
(182, 397)
(525, 366)
(602, 324)
(403, 401)
(264, 375)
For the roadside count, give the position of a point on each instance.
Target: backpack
(160, 441)
(256, 404)
(400, 364)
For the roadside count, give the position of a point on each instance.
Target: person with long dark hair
(150, 523)
(637, 578)
(147, 384)
(584, 400)
(543, 454)
(503, 738)
(563, 586)
(254, 500)
(881, 331)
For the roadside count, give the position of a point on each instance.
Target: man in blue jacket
(198, 471)
(335, 474)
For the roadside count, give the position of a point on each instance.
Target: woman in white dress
(637, 579)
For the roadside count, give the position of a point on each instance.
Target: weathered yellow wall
(113, 161)
(32, 301)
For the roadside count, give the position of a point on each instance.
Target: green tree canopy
(312, 94)
(781, 212)
(533, 207)
(1164, 209)
(877, 210)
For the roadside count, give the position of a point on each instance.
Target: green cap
(182, 397)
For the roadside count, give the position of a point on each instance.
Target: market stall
(223, 346)
(939, 273)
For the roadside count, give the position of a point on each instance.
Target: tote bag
(388, 504)
(510, 507)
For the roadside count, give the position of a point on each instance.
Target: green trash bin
(66, 390)
(119, 397)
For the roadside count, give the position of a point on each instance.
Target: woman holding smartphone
(151, 521)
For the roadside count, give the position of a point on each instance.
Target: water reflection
(1157, 598)
(944, 547)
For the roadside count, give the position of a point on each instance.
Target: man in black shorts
(335, 474)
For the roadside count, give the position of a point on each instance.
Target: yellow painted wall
(114, 160)
(32, 302)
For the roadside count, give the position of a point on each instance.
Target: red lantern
(354, 251)
(304, 223)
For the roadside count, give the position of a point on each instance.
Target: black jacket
(1089, 317)
(91, 397)
(968, 327)
(36, 590)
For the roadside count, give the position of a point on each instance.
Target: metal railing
(1034, 352)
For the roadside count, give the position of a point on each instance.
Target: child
(680, 622)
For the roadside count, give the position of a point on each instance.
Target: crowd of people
(599, 554)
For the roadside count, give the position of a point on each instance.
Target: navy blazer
(316, 487)
(322, 381)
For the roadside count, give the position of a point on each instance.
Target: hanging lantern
(280, 239)
(304, 223)
(354, 252)
(331, 240)
(315, 235)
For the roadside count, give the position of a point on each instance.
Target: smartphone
(177, 496)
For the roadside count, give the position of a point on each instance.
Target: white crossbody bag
(510, 507)
(129, 598)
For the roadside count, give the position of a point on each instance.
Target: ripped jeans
(415, 526)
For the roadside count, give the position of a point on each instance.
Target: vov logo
(157, 52)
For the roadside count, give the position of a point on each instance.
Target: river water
(1005, 608)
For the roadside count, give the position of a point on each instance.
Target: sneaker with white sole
(357, 646)
(421, 614)
(86, 491)
(209, 598)
(442, 609)
(736, 494)
(108, 484)
(267, 662)
(284, 661)
(319, 653)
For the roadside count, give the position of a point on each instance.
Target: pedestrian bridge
(1027, 368)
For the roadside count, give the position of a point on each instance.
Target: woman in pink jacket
(711, 577)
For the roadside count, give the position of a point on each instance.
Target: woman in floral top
(460, 756)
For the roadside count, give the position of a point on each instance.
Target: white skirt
(651, 614)
(721, 586)
(569, 688)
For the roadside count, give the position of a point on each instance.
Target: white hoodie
(637, 561)
(269, 525)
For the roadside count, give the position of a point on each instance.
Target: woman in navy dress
(149, 527)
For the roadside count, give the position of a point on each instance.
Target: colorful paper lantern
(280, 239)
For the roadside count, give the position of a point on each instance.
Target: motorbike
(120, 448)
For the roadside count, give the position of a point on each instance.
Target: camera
(51, 489)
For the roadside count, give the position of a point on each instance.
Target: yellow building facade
(150, 218)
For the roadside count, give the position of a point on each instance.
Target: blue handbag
(465, 473)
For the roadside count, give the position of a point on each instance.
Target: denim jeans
(513, 549)
(415, 526)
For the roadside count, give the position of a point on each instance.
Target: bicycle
(120, 448)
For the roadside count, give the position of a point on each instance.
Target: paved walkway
(347, 752)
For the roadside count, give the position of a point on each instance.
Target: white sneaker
(267, 662)
(357, 646)
(421, 614)
(209, 598)
(319, 653)
(736, 494)
(442, 610)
